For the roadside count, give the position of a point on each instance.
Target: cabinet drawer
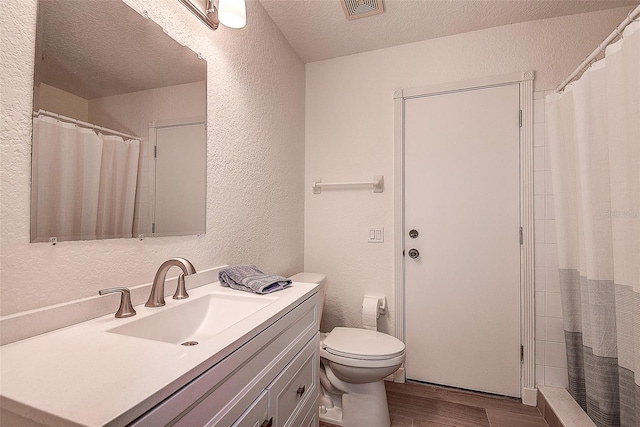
(257, 413)
(295, 386)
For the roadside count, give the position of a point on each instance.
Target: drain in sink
(190, 343)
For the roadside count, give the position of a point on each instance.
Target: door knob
(413, 253)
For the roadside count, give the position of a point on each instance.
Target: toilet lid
(362, 344)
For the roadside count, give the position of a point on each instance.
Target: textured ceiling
(318, 29)
(100, 48)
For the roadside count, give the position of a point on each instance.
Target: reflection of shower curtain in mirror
(83, 184)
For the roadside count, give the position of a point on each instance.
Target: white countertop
(85, 375)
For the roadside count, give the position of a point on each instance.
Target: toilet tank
(318, 278)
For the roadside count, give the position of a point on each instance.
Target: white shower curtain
(83, 184)
(118, 181)
(593, 130)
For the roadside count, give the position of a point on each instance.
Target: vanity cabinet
(271, 380)
(286, 402)
(257, 414)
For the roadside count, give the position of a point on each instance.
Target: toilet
(354, 363)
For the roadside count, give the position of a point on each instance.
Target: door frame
(153, 166)
(527, 314)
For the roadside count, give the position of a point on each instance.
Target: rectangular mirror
(119, 126)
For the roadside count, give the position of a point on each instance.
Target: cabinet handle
(300, 391)
(267, 423)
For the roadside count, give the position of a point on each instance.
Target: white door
(181, 180)
(461, 186)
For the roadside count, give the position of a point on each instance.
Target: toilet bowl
(354, 363)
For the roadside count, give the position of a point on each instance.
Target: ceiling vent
(356, 9)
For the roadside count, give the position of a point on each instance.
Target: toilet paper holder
(381, 303)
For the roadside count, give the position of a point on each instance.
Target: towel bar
(377, 183)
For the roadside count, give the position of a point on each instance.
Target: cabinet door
(256, 414)
(296, 385)
(311, 419)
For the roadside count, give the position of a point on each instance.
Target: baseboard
(529, 396)
(397, 377)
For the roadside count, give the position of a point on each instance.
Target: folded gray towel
(249, 279)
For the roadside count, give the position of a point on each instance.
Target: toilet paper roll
(370, 312)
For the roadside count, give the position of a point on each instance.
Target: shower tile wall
(551, 361)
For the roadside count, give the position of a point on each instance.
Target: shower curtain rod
(83, 124)
(616, 33)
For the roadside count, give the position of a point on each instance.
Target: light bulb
(232, 13)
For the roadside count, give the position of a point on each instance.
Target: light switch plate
(376, 235)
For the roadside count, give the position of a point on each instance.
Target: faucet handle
(181, 289)
(125, 309)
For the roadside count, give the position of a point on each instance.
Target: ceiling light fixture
(230, 13)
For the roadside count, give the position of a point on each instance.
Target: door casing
(527, 321)
(154, 128)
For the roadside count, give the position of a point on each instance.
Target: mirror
(119, 126)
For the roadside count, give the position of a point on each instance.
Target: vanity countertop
(86, 375)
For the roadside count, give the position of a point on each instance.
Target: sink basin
(195, 320)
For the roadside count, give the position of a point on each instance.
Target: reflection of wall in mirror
(52, 99)
(131, 113)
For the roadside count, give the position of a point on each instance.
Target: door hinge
(521, 236)
(520, 119)
(153, 227)
(521, 354)
(155, 151)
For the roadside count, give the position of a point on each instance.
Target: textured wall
(255, 164)
(349, 136)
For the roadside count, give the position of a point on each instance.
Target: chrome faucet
(156, 299)
(125, 309)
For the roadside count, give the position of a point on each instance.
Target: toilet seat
(362, 348)
(362, 344)
(362, 363)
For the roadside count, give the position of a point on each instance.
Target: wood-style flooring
(422, 405)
